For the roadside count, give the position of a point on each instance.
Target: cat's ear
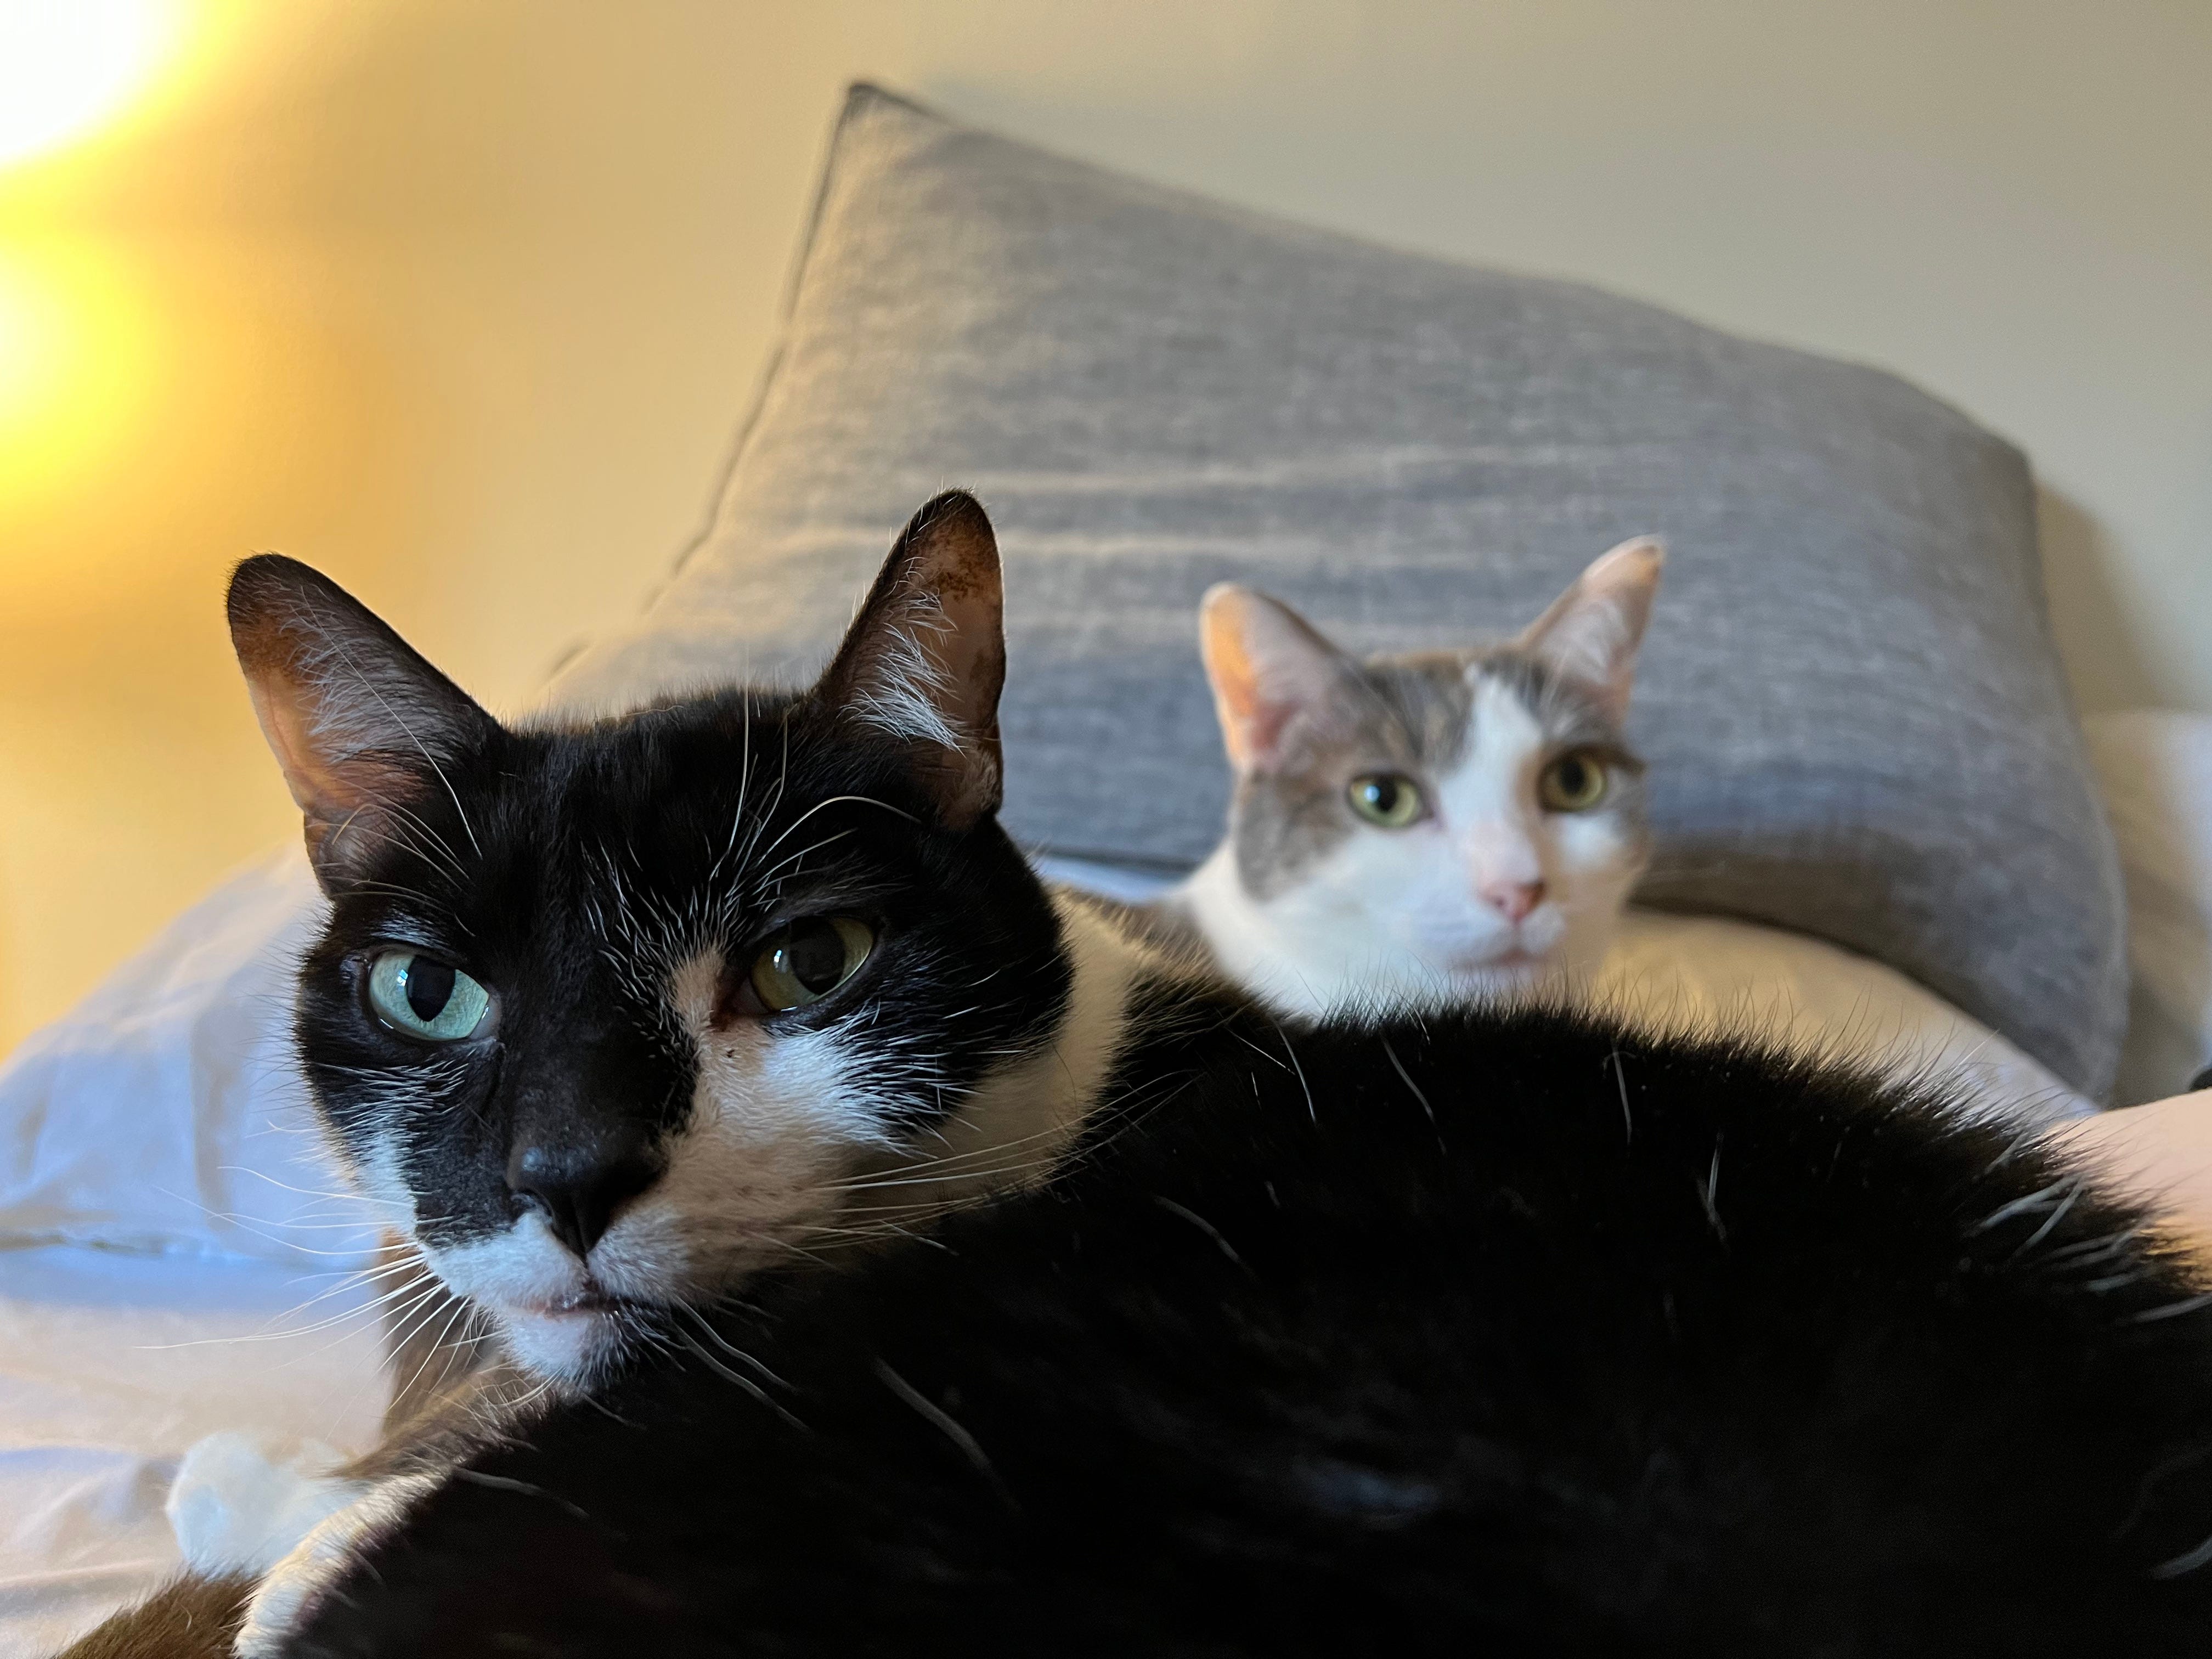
(1591, 631)
(1269, 665)
(925, 658)
(361, 724)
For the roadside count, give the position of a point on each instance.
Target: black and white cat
(1088, 1309)
(1426, 829)
(570, 1017)
(570, 1010)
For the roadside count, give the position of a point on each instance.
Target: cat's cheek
(1544, 931)
(1597, 853)
(378, 1172)
(781, 1118)
(742, 1189)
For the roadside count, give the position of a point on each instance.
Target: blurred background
(463, 300)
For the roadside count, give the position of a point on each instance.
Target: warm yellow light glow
(65, 65)
(34, 334)
(74, 358)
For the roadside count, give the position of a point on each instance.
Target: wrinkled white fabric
(165, 1113)
(242, 1497)
(111, 1366)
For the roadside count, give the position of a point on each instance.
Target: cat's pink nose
(1512, 900)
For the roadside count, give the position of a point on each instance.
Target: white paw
(242, 1501)
(295, 1584)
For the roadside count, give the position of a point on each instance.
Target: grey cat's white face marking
(1427, 827)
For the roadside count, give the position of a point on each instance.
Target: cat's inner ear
(1591, 632)
(363, 727)
(1269, 669)
(925, 658)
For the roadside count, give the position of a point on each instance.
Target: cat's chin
(1496, 971)
(575, 1340)
(1511, 961)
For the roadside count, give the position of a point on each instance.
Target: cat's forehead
(747, 797)
(655, 774)
(687, 745)
(1432, 701)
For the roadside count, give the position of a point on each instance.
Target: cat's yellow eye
(1572, 783)
(1386, 799)
(425, 998)
(806, 961)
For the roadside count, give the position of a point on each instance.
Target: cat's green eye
(809, 959)
(1386, 799)
(1572, 783)
(426, 998)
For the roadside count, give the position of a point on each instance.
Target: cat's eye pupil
(1572, 783)
(807, 961)
(429, 985)
(1386, 799)
(814, 955)
(423, 998)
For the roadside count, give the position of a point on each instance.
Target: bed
(1879, 833)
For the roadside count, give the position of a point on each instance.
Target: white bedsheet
(111, 1364)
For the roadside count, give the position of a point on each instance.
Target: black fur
(1503, 1333)
(1493, 1334)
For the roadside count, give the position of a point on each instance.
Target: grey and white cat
(1465, 825)
(1426, 827)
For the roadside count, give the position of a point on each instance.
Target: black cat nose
(577, 1185)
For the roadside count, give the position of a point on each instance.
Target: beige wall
(462, 300)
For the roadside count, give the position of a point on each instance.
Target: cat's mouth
(594, 1302)
(573, 1336)
(558, 1317)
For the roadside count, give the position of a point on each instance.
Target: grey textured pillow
(1856, 724)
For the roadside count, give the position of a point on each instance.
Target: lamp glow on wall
(69, 68)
